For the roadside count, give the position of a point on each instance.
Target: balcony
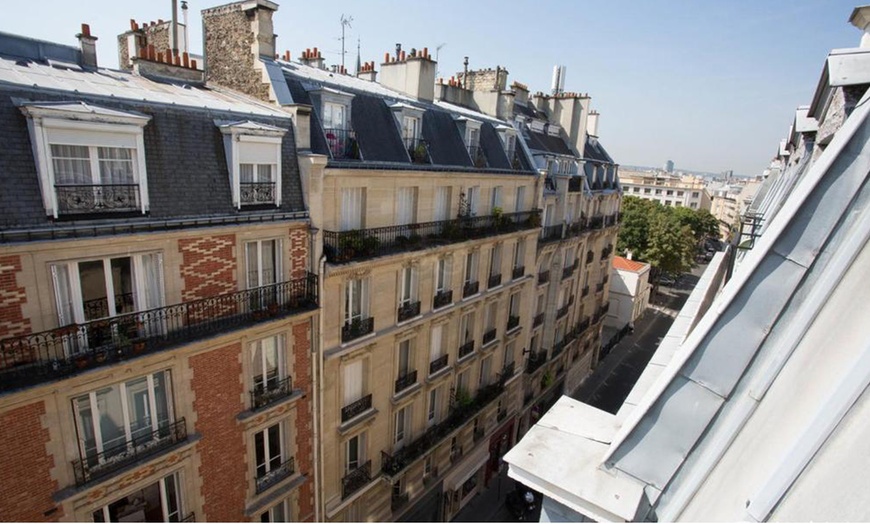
(489, 336)
(265, 395)
(596, 222)
(50, 355)
(584, 291)
(466, 349)
(276, 475)
(518, 272)
(470, 288)
(494, 281)
(478, 158)
(558, 348)
(577, 228)
(409, 310)
(513, 322)
(562, 311)
(590, 256)
(356, 407)
(508, 371)
(536, 360)
(257, 193)
(460, 414)
(100, 465)
(477, 435)
(97, 199)
(606, 252)
(418, 150)
(538, 320)
(398, 502)
(543, 277)
(346, 246)
(568, 271)
(405, 381)
(551, 233)
(356, 479)
(357, 328)
(438, 364)
(599, 287)
(342, 144)
(442, 298)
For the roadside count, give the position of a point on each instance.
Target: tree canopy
(665, 237)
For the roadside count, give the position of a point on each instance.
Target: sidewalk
(489, 504)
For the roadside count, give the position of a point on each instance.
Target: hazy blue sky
(711, 86)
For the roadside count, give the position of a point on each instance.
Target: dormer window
(409, 119)
(254, 162)
(472, 143)
(335, 117)
(509, 140)
(90, 159)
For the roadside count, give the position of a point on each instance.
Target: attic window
(410, 120)
(335, 117)
(254, 162)
(90, 159)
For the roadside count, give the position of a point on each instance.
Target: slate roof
(547, 143)
(376, 130)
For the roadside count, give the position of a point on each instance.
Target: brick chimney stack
(412, 73)
(88, 45)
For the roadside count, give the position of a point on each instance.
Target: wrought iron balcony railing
(442, 298)
(466, 349)
(513, 322)
(562, 311)
(342, 144)
(345, 246)
(596, 222)
(356, 479)
(53, 354)
(568, 271)
(418, 150)
(356, 407)
(100, 465)
(263, 395)
(494, 281)
(356, 328)
(409, 310)
(398, 502)
(577, 228)
(256, 193)
(558, 348)
(536, 360)
(508, 371)
(551, 233)
(518, 272)
(478, 158)
(405, 381)
(606, 252)
(438, 364)
(544, 277)
(100, 198)
(460, 414)
(538, 320)
(489, 336)
(599, 287)
(470, 288)
(270, 478)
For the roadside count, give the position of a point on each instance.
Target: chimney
(88, 45)
(592, 123)
(313, 58)
(410, 73)
(521, 93)
(861, 19)
(367, 72)
(226, 31)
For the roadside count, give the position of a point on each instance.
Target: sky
(711, 86)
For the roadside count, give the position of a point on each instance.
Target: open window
(253, 153)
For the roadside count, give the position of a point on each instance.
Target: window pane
(139, 407)
(253, 261)
(116, 165)
(246, 173)
(264, 173)
(122, 282)
(275, 457)
(268, 261)
(162, 398)
(111, 420)
(172, 499)
(92, 279)
(85, 420)
(71, 164)
(260, 452)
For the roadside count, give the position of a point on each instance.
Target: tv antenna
(345, 22)
(437, 53)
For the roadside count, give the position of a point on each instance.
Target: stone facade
(485, 79)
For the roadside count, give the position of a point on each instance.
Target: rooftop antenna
(358, 63)
(345, 22)
(437, 53)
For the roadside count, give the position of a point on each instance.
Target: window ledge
(435, 377)
(268, 408)
(357, 420)
(467, 358)
(275, 493)
(516, 329)
(491, 344)
(407, 392)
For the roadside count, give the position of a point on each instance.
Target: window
(107, 287)
(514, 310)
(519, 254)
(436, 343)
(471, 267)
(509, 353)
(432, 409)
(269, 450)
(695, 194)
(407, 286)
(253, 153)
(466, 327)
(401, 430)
(679, 193)
(495, 261)
(157, 502)
(669, 192)
(353, 378)
(521, 199)
(485, 371)
(406, 206)
(667, 202)
(442, 275)
(489, 319)
(646, 191)
(462, 383)
(473, 200)
(406, 358)
(92, 179)
(442, 203)
(257, 183)
(410, 130)
(115, 420)
(495, 201)
(334, 116)
(267, 363)
(356, 300)
(277, 513)
(262, 262)
(539, 308)
(472, 136)
(568, 257)
(355, 452)
(353, 200)
(658, 191)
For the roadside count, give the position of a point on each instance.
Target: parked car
(667, 280)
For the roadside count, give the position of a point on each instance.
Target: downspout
(318, 420)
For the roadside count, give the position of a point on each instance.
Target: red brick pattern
(223, 467)
(26, 485)
(304, 420)
(208, 266)
(298, 252)
(12, 299)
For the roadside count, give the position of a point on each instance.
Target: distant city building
(674, 190)
(730, 202)
(669, 166)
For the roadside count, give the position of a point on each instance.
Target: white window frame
(471, 267)
(495, 260)
(359, 441)
(164, 502)
(257, 264)
(272, 517)
(432, 412)
(407, 347)
(260, 368)
(252, 143)
(443, 274)
(519, 253)
(407, 285)
(402, 426)
(268, 459)
(67, 124)
(351, 289)
(406, 204)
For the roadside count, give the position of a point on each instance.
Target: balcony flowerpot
(138, 346)
(82, 361)
(101, 356)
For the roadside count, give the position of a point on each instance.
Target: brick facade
(12, 299)
(298, 252)
(208, 266)
(304, 417)
(223, 467)
(26, 484)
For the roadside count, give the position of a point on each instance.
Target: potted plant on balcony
(546, 379)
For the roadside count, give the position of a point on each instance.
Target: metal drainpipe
(318, 420)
